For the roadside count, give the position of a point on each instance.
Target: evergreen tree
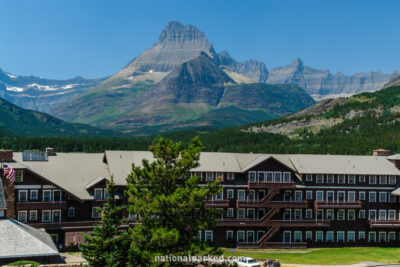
(169, 205)
(106, 245)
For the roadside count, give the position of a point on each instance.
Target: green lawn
(328, 256)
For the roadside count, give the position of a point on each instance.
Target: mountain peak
(178, 33)
(297, 62)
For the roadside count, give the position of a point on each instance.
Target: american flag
(9, 173)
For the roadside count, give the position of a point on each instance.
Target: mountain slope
(184, 99)
(41, 94)
(17, 121)
(322, 84)
(393, 82)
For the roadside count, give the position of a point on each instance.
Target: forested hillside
(363, 122)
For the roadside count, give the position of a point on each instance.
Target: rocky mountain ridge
(323, 84)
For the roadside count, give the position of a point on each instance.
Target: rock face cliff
(323, 84)
(393, 82)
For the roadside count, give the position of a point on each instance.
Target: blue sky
(95, 38)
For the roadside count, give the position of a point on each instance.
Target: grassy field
(328, 256)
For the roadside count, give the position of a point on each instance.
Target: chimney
(6, 155)
(381, 152)
(50, 151)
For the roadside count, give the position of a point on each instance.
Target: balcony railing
(293, 245)
(250, 203)
(337, 204)
(41, 205)
(384, 223)
(268, 222)
(267, 184)
(223, 203)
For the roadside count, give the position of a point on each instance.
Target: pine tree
(169, 204)
(106, 245)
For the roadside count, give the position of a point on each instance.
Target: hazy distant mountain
(322, 84)
(393, 82)
(41, 94)
(195, 93)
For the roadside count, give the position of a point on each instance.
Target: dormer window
(71, 212)
(19, 176)
(98, 193)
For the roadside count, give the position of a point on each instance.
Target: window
(297, 236)
(330, 196)
(298, 195)
(252, 176)
(34, 194)
(277, 176)
(19, 176)
(382, 236)
(229, 193)
(199, 235)
(231, 176)
(392, 179)
(23, 216)
(229, 212)
(46, 216)
(71, 212)
(382, 215)
(241, 194)
(95, 213)
(372, 179)
(340, 215)
(351, 196)
(319, 236)
(287, 214)
(372, 237)
(372, 215)
(372, 197)
(330, 215)
(391, 236)
(33, 215)
(309, 213)
(22, 195)
(341, 196)
(219, 196)
(2, 213)
(319, 214)
(330, 179)
(361, 214)
(240, 236)
(320, 179)
(392, 198)
(308, 194)
(308, 235)
(391, 215)
(98, 193)
(208, 236)
(329, 236)
(319, 195)
(261, 176)
(209, 176)
(287, 177)
(351, 236)
(382, 197)
(340, 236)
(352, 179)
(308, 177)
(361, 235)
(220, 176)
(56, 215)
(241, 214)
(341, 179)
(361, 178)
(297, 214)
(382, 179)
(351, 215)
(46, 195)
(57, 196)
(269, 176)
(229, 235)
(361, 195)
